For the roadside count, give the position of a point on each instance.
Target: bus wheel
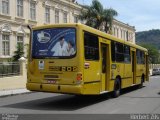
(117, 88)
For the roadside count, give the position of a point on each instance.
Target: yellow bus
(77, 59)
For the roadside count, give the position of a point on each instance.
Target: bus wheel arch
(117, 87)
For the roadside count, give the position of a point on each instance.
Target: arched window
(65, 15)
(47, 7)
(56, 15)
(20, 7)
(33, 9)
(20, 36)
(6, 32)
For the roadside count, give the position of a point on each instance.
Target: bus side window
(113, 51)
(119, 52)
(140, 57)
(91, 45)
(127, 57)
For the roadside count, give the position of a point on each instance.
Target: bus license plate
(51, 81)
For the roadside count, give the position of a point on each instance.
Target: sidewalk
(13, 92)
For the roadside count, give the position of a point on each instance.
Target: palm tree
(108, 18)
(96, 16)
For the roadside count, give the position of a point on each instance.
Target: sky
(143, 14)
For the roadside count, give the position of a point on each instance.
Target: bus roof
(92, 30)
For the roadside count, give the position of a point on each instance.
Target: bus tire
(117, 88)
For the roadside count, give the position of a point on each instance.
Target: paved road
(144, 100)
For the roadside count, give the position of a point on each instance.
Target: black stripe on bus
(138, 76)
(92, 82)
(123, 78)
(126, 77)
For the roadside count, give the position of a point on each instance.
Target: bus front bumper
(70, 89)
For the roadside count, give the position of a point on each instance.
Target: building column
(22, 62)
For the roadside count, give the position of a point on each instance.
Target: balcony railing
(9, 69)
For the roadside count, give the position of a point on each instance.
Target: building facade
(15, 15)
(123, 31)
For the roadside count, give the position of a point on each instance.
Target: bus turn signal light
(79, 76)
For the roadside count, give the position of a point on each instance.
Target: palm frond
(96, 16)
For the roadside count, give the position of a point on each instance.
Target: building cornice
(124, 25)
(69, 4)
(10, 22)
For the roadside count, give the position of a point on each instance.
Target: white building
(15, 15)
(123, 31)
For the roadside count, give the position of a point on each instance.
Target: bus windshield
(54, 43)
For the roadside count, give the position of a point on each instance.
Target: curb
(4, 93)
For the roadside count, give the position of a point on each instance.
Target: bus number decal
(63, 68)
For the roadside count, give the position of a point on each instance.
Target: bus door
(134, 66)
(105, 66)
